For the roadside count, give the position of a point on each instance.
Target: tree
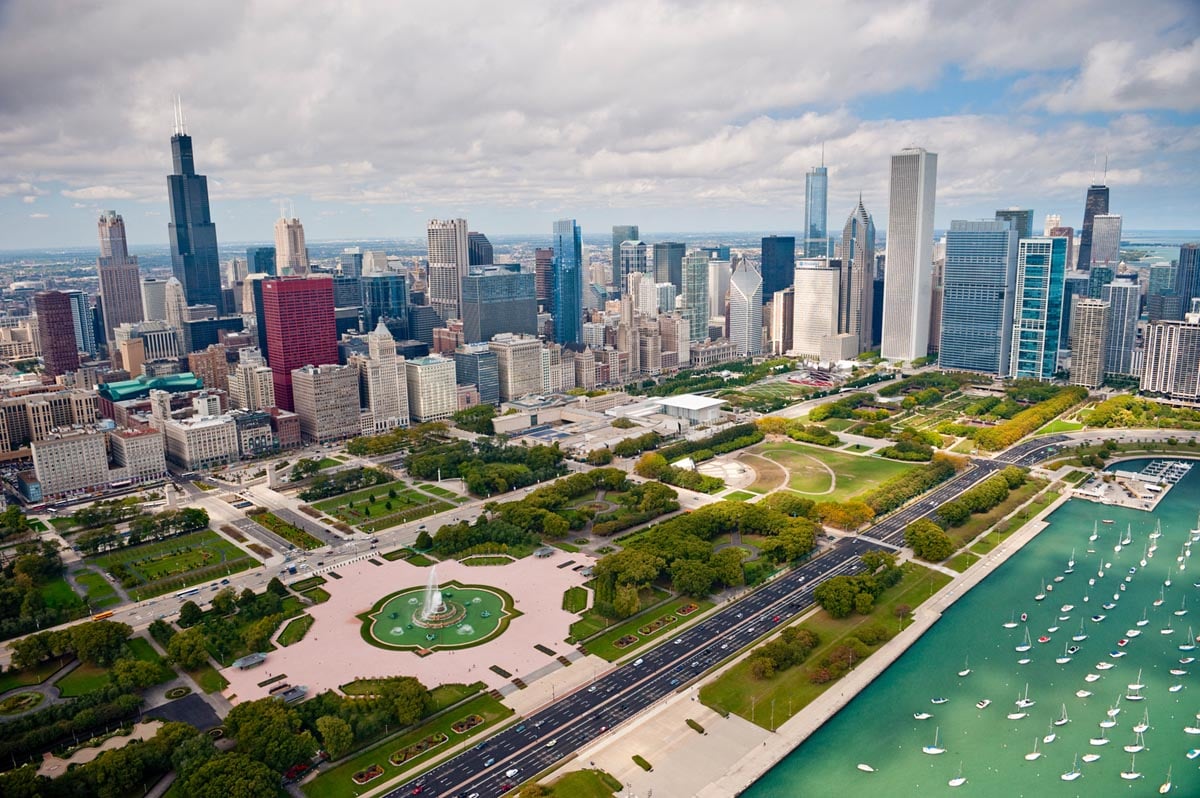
(424, 540)
(224, 601)
(277, 587)
(187, 649)
(837, 595)
(692, 577)
(409, 699)
(270, 732)
(651, 466)
(135, 674)
(99, 642)
(257, 635)
(928, 540)
(599, 457)
(190, 614)
(233, 775)
(864, 602)
(626, 601)
(727, 566)
(335, 735)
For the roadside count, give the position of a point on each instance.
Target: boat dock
(1137, 490)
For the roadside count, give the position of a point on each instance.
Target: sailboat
(1079, 638)
(1101, 740)
(1071, 562)
(1115, 709)
(1131, 774)
(1139, 744)
(966, 671)
(865, 768)
(1095, 532)
(935, 748)
(1157, 533)
(1065, 658)
(1144, 724)
(1012, 623)
(1165, 787)
(1041, 593)
(1051, 736)
(921, 716)
(1089, 758)
(1135, 690)
(1145, 555)
(1034, 754)
(1074, 772)
(1063, 720)
(1025, 701)
(1025, 646)
(1125, 541)
(1145, 619)
(958, 780)
(1190, 643)
(1162, 596)
(1182, 608)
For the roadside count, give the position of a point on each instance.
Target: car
(417, 790)
(422, 526)
(552, 743)
(678, 640)
(724, 646)
(481, 746)
(739, 616)
(592, 688)
(511, 772)
(638, 661)
(521, 728)
(224, 581)
(473, 795)
(489, 761)
(775, 619)
(674, 682)
(603, 729)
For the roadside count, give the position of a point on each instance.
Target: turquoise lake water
(878, 728)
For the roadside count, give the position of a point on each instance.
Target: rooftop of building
(690, 401)
(141, 386)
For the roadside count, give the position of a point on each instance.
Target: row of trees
(653, 465)
(727, 440)
(631, 447)
(1130, 411)
(477, 419)
(896, 490)
(347, 481)
(13, 523)
(78, 718)
(911, 445)
(928, 540)
(96, 643)
(400, 439)
(28, 567)
(942, 381)
(1008, 432)
(143, 529)
(487, 467)
(106, 511)
(798, 431)
(843, 595)
(791, 648)
(983, 497)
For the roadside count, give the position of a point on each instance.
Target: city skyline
(1019, 118)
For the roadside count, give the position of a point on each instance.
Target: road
(558, 730)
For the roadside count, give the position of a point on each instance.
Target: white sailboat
(1125, 541)
(1095, 532)
(958, 780)
(1145, 618)
(1145, 555)
(1115, 709)
(935, 748)
(1050, 736)
(1071, 562)
(1135, 690)
(1079, 638)
(1026, 645)
(921, 716)
(1144, 724)
(1065, 658)
(1182, 608)
(865, 768)
(966, 669)
(1062, 720)
(1011, 623)
(1165, 787)
(1074, 772)
(1131, 774)
(1024, 702)
(1190, 643)
(1089, 758)
(1162, 596)
(1139, 744)
(1098, 741)
(1041, 594)
(1035, 753)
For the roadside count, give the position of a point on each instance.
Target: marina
(1137, 715)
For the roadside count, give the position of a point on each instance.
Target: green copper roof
(140, 388)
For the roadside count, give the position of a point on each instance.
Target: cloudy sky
(372, 117)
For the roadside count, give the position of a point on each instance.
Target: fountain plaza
(443, 627)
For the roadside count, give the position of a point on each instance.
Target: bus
(191, 591)
(100, 616)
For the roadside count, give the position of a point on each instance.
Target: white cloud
(39, 216)
(29, 199)
(98, 192)
(1118, 76)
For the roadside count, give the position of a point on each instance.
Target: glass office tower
(977, 297)
(568, 282)
(1037, 317)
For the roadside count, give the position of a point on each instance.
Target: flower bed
(417, 748)
(687, 609)
(656, 624)
(363, 776)
(625, 642)
(466, 724)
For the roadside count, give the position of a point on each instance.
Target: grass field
(809, 470)
(100, 593)
(738, 692)
(295, 630)
(1003, 529)
(438, 490)
(13, 679)
(374, 508)
(209, 680)
(585, 784)
(317, 595)
(328, 462)
(336, 782)
(1059, 425)
(59, 595)
(289, 532)
(169, 565)
(84, 679)
(962, 561)
(602, 646)
(141, 649)
(593, 622)
(770, 475)
(575, 599)
(739, 496)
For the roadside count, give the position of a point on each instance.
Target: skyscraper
(856, 293)
(449, 262)
(291, 253)
(1187, 276)
(56, 330)
(816, 204)
(695, 294)
(1124, 303)
(668, 263)
(783, 320)
(907, 281)
(479, 250)
(543, 273)
(1096, 202)
(778, 263)
(1089, 341)
(261, 260)
(632, 255)
(745, 308)
(120, 281)
(382, 382)
(385, 298)
(350, 262)
(154, 299)
(300, 330)
(1161, 300)
(1037, 315)
(977, 297)
(568, 282)
(193, 236)
(1106, 239)
(816, 315)
(620, 234)
(81, 321)
(498, 300)
(1172, 365)
(475, 364)
(432, 390)
(1021, 218)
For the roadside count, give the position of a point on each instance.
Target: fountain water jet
(434, 605)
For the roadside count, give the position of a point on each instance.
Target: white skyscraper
(1106, 239)
(815, 315)
(907, 284)
(1053, 220)
(718, 286)
(291, 254)
(694, 296)
(383, 381)
(449, 262)
(745, 308)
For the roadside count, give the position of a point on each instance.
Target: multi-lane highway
(561, 728)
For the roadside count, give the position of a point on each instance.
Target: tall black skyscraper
(194, 259)
(778, 264)
(479, 250)
(668, 263)
(1097, 202)
(1187, 276)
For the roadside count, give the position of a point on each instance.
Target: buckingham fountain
(437, 616)
(437, 611)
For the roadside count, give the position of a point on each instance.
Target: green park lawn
(1059, 425)
(170, 565)
(317, 595)
(295, 631)
(790, 691)
(373, 509)
(739, 496)
(575, 599)
(209, 680)
(59, 595)
(336, 782)
(962, 561)
(100, 592)
(84, 679)
(585, 784)
(36, 675)
(978, 523)
(770, 475)
(602, 646)
(328, 462)
(288, 531)
(593, 622)
(809, 468)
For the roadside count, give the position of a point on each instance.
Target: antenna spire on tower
(1106, 168)
(822, 154)
(180, 119)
